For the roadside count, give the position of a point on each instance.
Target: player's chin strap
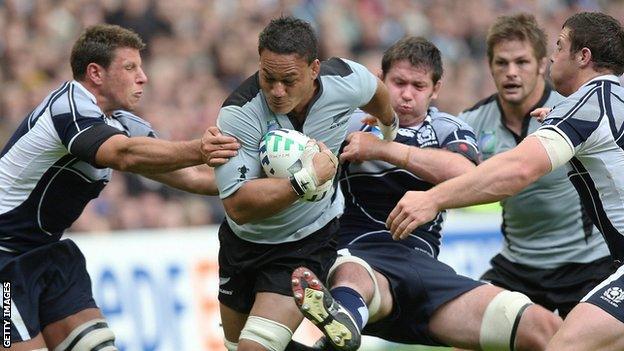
(501, 319)
(389, 132)
(92, 335)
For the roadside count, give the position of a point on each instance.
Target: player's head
(516, 49)
(588, 41)
(289, 65)
(106, 58)
(411, 69)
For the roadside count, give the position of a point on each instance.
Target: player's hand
(389, 132)
(217, 148)
(414, 209)
(540, 113)
(325, 163)
(361, 146)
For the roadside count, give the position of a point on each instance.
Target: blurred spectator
(200, 50)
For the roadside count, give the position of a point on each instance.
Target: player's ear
(95, 73)
(543, 63)
(436, 89)
(316, 68)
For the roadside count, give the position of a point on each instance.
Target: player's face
(411, 90)
(123, 80)
(287, 81)
(563, 69)
(516, 71)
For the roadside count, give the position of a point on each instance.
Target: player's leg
(598, 322)
(35, 344)
(491, 318)
(82, 331)
(233, 322)
(68, 314)
(268, 327)
(588, 328)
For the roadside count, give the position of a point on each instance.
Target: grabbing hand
(540, 113)
(361, 146)
(217, 148)
(325, 163)
(414, 209)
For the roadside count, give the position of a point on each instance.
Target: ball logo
(280, 151)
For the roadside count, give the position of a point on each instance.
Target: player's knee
(342, 272)
(271, 335)
(229, 345)
(92, 335)
(537, 327)
(501, 319)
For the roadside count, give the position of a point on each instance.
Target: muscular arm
(198, 180)
(259, 198)
(379, 105)
(431, 165)
(147, 155)
(499, 177)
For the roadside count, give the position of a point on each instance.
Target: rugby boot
(318, 306)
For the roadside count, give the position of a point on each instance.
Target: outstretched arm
(499, 177)
(431, 165)
(380, 107)
(148, 155)
(199, 179)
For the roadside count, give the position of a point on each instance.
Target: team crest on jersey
(487, 143)
(426, 136)
(614, 296)
(272, 125)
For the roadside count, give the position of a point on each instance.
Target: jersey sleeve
(457, 136)
(574, 120)
(246, 164)
(364, 80)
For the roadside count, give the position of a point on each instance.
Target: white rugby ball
(280, 151)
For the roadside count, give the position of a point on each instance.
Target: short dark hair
(97, 44)
(289, 35)
(602, 35)
(523, 27)
(419, 51)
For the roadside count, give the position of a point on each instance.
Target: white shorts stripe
(605, 282)
(16, 319)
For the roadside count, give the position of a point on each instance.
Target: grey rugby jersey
(47, 169)
(343, 86)
(543, 225)
(592, 121)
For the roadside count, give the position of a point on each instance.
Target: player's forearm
(380, 105)
(149, 155)
(197, 180)
(259, 199)
(431, 165)
(495, 179)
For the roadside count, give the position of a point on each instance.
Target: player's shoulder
(136, 125)
(479, 108)
(583, 104)
(73, 98)
(337, 67)
(245, 93)
(446, 121)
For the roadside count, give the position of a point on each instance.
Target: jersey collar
(87, 92)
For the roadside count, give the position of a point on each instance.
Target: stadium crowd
(198, 51)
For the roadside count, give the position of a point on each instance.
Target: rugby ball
(280, 151)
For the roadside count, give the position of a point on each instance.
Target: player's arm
(261, 198)
(147, 155)
(199, 179)
(432, 165)
(499, 177)
(380, 107)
